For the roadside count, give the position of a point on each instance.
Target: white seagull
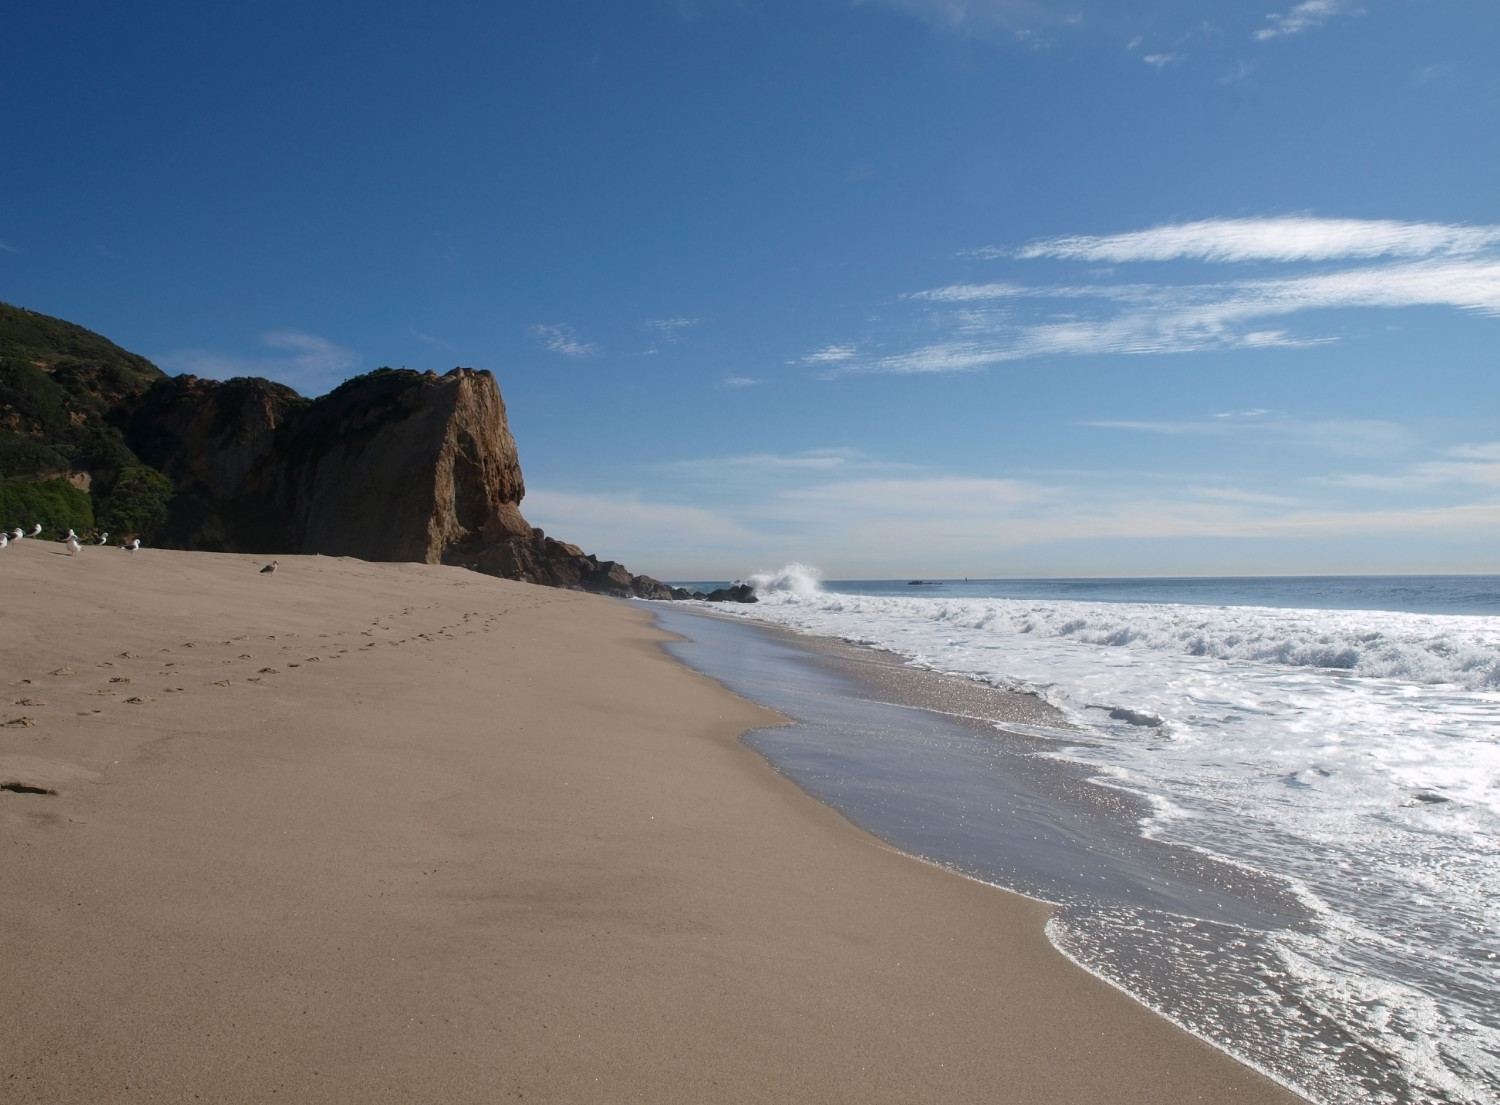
(35, 530)
(102, 539)
(4, 539)
(73, 545)
(269, 568)
(132, 546)
(16, 534)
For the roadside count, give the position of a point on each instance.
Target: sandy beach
(381, 832)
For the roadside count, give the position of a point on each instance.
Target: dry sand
(366, 833)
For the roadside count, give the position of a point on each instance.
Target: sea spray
(794, 579)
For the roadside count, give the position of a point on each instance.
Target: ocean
(1336, 740)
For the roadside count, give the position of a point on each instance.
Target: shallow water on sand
(1235, 943)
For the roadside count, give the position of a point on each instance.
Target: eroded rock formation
(394, 465)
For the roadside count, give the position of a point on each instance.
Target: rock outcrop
(394, 465)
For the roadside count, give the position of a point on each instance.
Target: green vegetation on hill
(66, 394)
(56, 504)
(62, 394)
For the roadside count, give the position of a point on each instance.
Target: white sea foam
(794, 579)
(1355, 754)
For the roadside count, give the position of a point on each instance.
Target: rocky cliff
(393, 465)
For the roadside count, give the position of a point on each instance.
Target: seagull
(132, 546)
(4, 539)
(16, 534)
(102, 539)
(71, 535)
(35, 530)
(73, 545)
(269, 568)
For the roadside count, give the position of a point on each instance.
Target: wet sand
(358, 832)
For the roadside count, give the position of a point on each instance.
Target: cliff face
(394, 465)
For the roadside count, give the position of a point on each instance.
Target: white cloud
(831, 354)
(738, 382)
(668, 331)
(1289, 238)
(6, 247)
(1138, 319)
(1161, 61)
(1472, 465)
(311, 364)
(562, 340)
(855, 514)
(1304, 17)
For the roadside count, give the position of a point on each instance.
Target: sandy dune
(368, 832)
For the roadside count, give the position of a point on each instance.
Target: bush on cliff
(56, 504)
(135, 501)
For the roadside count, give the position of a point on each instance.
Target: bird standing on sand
(269, 568)
(71, 535)
(16, 534)
(132, 546)
(4, 539)
(102, 539)
(36, 530)
(72, 543)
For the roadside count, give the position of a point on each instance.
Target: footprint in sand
(269, 671)
(64, 671)
(119, 679)
(246, 656)
(130, 656)
(29, 702)
(137, 700)
(222, 683)
(20, 723)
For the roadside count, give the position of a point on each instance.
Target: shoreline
(412, 833)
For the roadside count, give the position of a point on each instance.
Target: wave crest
(793, 579)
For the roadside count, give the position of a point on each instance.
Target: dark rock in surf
(1135, 717)
(740, 592)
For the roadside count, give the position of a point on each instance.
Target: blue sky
(892, 287)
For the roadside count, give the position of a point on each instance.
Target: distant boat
(923, 583)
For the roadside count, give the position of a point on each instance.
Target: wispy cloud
(818, 461)
(562, 340)
(665, 332)
(856, 514)
(1305, 17)
(436, 343)
(738, 382)
(310, 364)
(975, 16)
(1350, 437)
(670, 329)
(1462, 465)
(1161, 61)
(1290, 238)
(831, 354)
(970, 326)
(6, 247)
